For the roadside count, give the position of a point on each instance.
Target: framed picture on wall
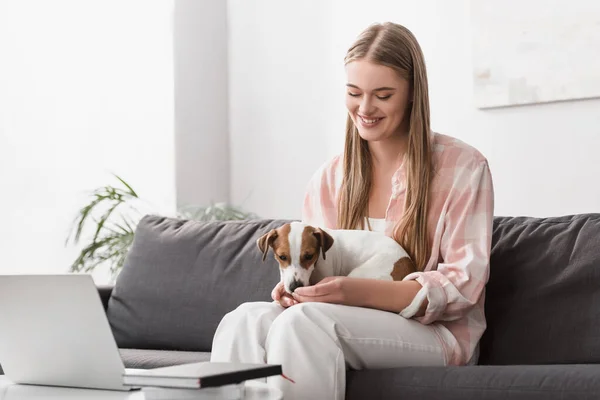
(534, 51)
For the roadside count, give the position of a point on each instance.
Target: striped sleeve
(455, 287)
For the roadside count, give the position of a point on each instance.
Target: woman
(430, 192)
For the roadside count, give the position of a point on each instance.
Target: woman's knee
(254, 310)
(301, 315)
(252, 306)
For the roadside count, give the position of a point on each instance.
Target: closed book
(200, 375)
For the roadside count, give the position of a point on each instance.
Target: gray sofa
(542, 307)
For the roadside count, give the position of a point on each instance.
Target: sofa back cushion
(181, 277)
(543, 295)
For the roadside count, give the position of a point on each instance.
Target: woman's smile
(369, 122)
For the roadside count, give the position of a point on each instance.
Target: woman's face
(377, 99)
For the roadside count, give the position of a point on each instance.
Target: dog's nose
(295, 285)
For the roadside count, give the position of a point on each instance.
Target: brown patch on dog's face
(309, 251)
(278, 240)
(313, 240)
(281, 246)
(402, 267)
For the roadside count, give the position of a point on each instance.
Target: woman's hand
(392, 296)
(282, 297)
(333, 289)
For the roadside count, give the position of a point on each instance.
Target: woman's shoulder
(452, 154)
(322, 191)
(329, 174)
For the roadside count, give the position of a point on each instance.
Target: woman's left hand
(333, 289)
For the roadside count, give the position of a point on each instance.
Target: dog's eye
(283, 257)
(308, 256)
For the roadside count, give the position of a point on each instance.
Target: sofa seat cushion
(529, 382)
(145, 359)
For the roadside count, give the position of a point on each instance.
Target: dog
(307, 254)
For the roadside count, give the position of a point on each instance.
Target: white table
(9, 391)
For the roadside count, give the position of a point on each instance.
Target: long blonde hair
(396, 47)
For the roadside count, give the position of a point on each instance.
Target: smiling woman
(430, 192)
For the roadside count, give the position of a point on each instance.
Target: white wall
(201, 93)
(86, 89)
(281, 96)
(286, 107)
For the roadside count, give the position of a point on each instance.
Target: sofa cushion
(543, 295)
(181, 277)
(548, 382)
(138, 358)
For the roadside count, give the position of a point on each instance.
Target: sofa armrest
(105, 291)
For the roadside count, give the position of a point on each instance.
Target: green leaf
(131, 191)
(103, 220)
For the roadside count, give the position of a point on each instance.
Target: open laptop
(54, 331)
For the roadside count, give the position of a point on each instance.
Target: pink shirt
(460, 229)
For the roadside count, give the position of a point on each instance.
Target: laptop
(54, 332)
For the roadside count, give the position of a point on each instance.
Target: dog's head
(296, 247)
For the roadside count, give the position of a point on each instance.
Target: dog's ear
(265, 241)
(325, 240)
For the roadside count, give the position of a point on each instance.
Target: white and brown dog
(307, 254)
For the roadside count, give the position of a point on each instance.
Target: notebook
(200, 375)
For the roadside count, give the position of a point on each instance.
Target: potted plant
(111, 217)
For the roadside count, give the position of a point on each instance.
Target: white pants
(315, 342)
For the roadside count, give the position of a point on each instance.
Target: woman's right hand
(282, 297)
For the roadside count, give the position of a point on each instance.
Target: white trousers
(315, 342)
